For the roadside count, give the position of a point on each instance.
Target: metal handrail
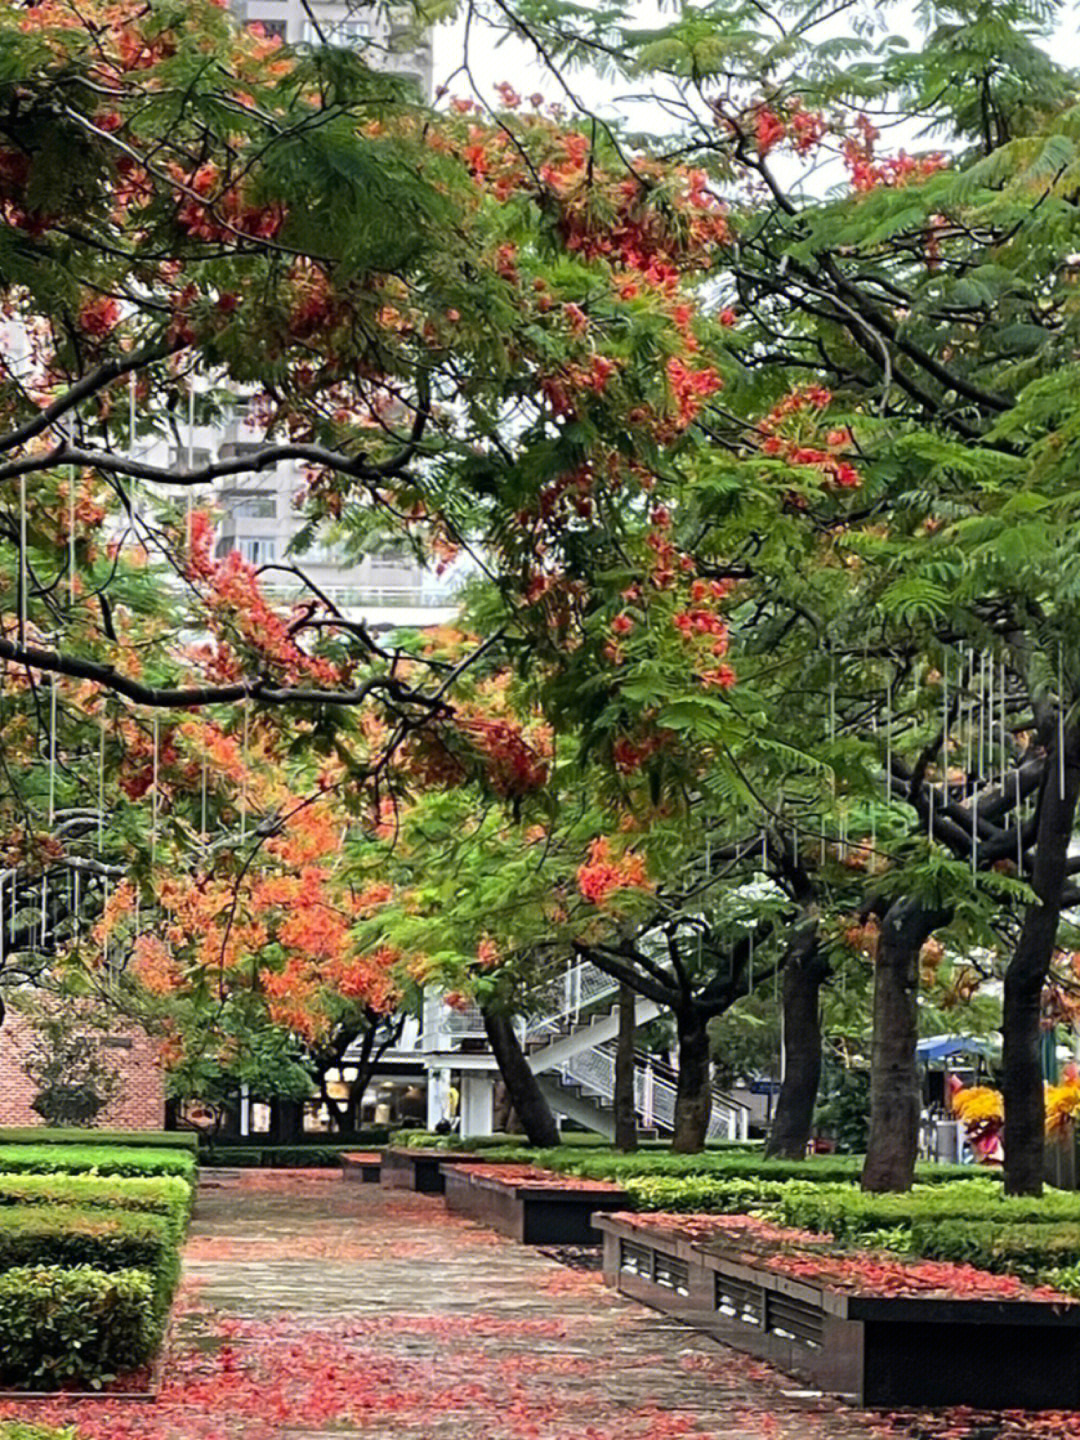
(654, 1097)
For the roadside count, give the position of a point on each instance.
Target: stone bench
(532, 1206)
(873, 1349)
(362, 1166)
(404, 1169)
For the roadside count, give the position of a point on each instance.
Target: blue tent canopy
(941, 1047)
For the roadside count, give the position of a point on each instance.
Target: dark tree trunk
(1022, 1075)
(894, 1077)
(805, 970)
(693, 1094)
(521, 1085)
(626, 1136)
(286, 1121)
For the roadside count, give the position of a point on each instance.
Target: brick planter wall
(139, 1106)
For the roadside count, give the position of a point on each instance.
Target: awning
(941, 1047)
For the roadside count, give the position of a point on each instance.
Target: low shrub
(45, 1159)
(703, 1194)
(17, 1430)
(275, 1157)
(431, 1140)
(728, 1164)
(59, 1325)
(156, 1194)
(1026, 1249)
(848, 1213)
(81, 1135)
(106, 1240)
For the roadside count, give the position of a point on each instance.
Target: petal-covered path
(316, 1310)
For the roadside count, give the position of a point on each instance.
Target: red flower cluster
(513, 768)
(792, 448)
(602, 874)
(98, 315)
(691, 388)
(207, 212)
(867, 173)
(804, 128)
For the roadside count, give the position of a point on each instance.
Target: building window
(178, 457)
(392, 561)
(341, 32)
(251, 504)
(256, 549)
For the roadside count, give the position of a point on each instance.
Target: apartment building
(258, 514)
(385, 35)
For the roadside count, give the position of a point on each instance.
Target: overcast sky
(513, 61)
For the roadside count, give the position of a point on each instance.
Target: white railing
(446, 1025)
(654, 1097)
(347, 597)
(557, 1003)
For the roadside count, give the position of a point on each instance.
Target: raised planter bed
(361, 1165)
(874, 1329)
(532, 1206)
(421, 1169)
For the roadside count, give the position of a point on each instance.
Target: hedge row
(848, 1213)
(275, 1157)
(1027, 1249)
(107, 1240)
(60, 1135)
(59, 1325)
(17, 1430)
(84, 1159)
(727, 1165)
(166, 1195)
(89, 1258)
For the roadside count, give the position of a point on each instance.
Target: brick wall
(140, 1104)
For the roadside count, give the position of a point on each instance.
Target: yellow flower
(978, 1105)
(1062, 1107)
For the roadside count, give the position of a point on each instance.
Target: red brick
(139, 1106)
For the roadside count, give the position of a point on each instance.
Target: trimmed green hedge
(16, 1430)
(1026, 1249)
(704, 1194)
(276, 1157)
(727, 1165)
(63, 1135)
(573, 1142)
(157, 1194)
(82, 1325)
(108, 1240)
(44, 1159)
(848, 1213)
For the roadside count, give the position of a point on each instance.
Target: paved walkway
(316, 1310)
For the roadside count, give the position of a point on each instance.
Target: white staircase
(567, 1032)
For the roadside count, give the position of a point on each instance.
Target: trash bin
(947, 1142)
